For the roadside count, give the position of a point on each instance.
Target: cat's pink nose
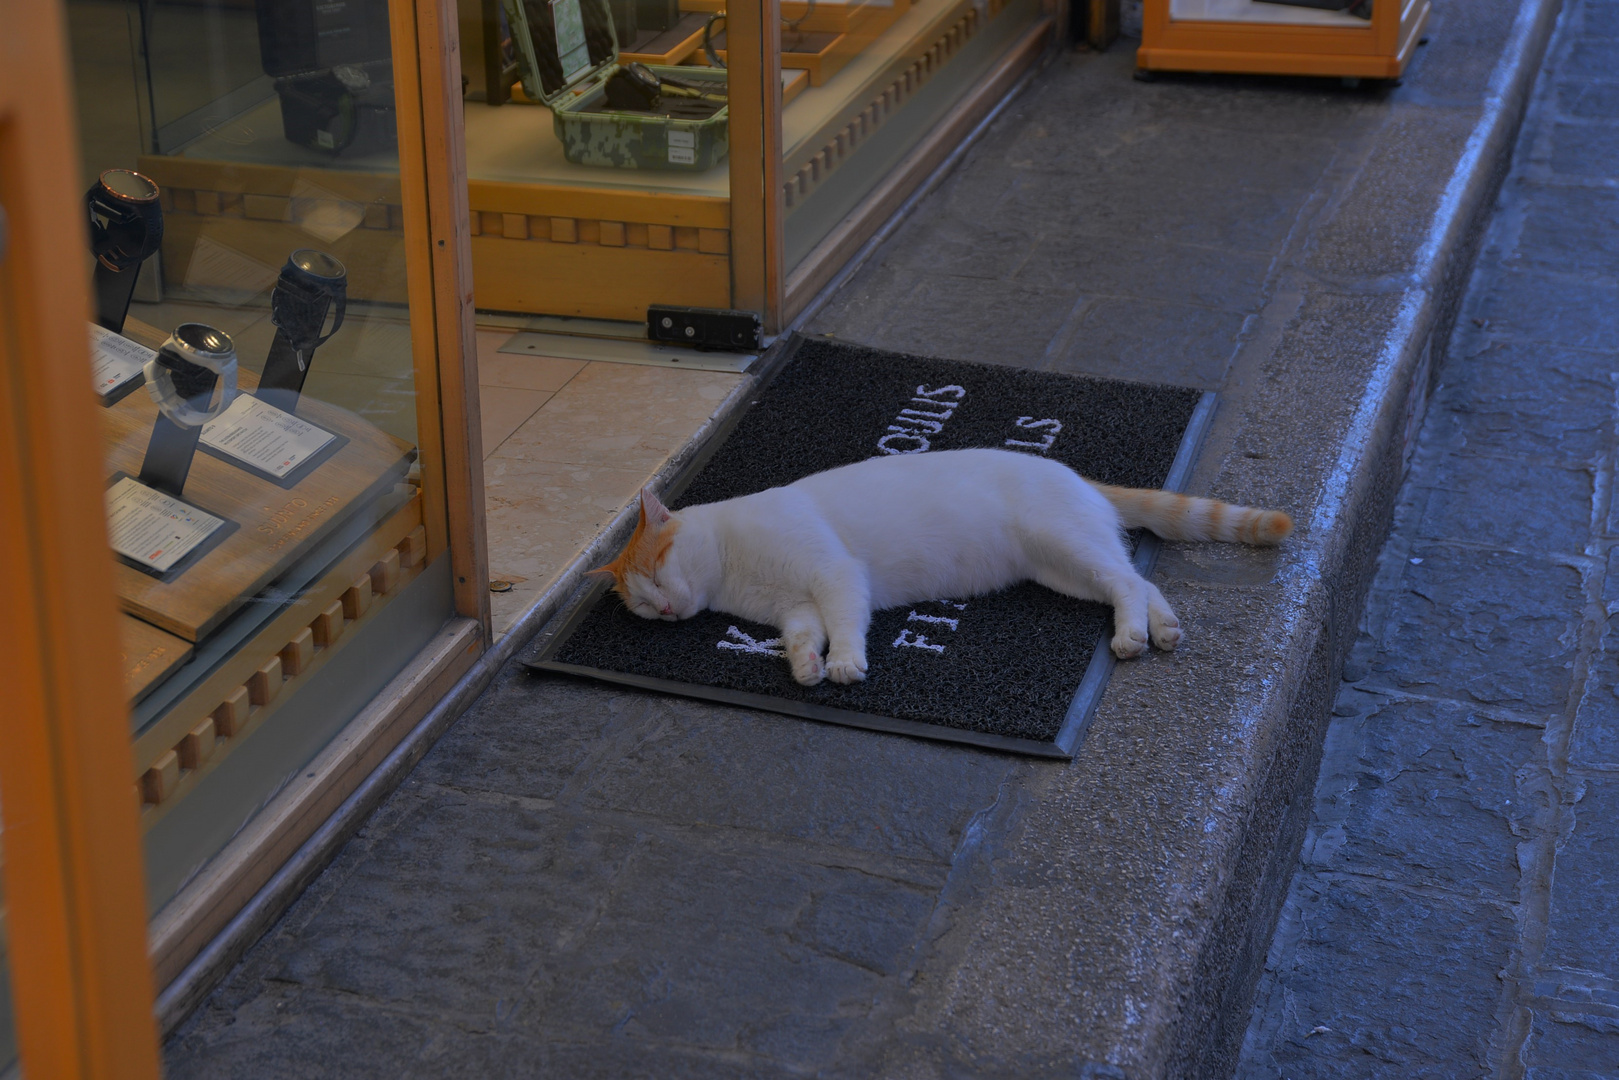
(668, 609)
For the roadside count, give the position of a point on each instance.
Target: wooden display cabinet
(1249, 36)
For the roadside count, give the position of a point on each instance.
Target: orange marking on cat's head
(649, 544)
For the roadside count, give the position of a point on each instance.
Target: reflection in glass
(260, 419)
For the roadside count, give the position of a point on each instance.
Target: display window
(265, 342)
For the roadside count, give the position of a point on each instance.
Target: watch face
(202, 338)
(128, 185)
(317, 264)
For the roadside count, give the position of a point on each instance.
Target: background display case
(279, 438)
(1343, 39)
(820, 151)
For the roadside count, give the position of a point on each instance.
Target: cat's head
(644, 575)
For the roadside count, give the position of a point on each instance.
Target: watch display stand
(172, 446)
(278, 523)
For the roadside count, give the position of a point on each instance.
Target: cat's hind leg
(1102, 572)
(803, 635)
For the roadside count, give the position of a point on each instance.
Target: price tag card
(115, 360)
(264, 437)
(152, 529)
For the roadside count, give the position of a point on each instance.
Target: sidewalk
(1455, 914)
(582, 882)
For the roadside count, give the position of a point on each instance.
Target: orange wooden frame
(82, 987)
(1379, 50)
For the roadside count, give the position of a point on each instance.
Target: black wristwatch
(126, 219)
(312, 284)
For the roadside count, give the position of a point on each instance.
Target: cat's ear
(653, 512)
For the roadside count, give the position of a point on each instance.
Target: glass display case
(265, 344)
(1346, 38)
(859, 86)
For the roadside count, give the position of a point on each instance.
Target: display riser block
(149, 655)
(276, 525)
(245, 691)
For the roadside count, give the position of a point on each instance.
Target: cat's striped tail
(1186, 517)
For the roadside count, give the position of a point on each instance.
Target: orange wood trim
(1380, 49)
(419, 273)
(605, 204)
(450, 252)
(76, 908)
(758, 280)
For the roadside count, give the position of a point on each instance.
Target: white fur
(816, 557)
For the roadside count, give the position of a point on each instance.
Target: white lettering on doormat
(911, 428)
(746, 644)
(1029, 423)
(910, 639)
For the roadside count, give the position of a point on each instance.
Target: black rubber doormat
(1018, 670)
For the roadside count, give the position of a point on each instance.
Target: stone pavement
(579, 881)
(1456, 911)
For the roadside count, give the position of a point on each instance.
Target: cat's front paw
(808, 669)
(846, 671)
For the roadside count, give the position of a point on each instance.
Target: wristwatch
(311, 284)
(181, 376)
(126, 219)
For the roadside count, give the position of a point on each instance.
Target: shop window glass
(864, 81)
(263, 394)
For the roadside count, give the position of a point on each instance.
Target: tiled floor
(567, 443)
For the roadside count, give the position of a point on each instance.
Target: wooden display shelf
(600, 252)
(1242, 42)
(834, 16)
(275, 525)
(671, 46)
(235, 699)
(149, 655)
(824, 53)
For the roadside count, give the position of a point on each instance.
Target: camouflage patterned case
(566, 51)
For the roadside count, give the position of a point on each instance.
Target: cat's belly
(941, 577)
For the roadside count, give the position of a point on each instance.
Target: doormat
(1018, 670)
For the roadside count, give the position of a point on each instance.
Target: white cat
(818, 556)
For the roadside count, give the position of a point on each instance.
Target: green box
(566, 51)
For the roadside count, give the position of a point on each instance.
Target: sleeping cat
(818, 556)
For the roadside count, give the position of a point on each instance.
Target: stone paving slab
(1468, 800)
(637, 885)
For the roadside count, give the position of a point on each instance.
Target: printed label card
(152, 529)
(260, 435)
(115, 360)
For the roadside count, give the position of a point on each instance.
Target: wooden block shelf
(240, 695)
(1242, 36)
(276, 526)
(558, 248)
